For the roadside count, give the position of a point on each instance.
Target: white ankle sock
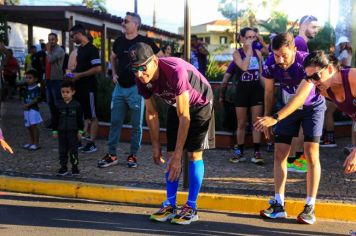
(279, 198)
(310, 201)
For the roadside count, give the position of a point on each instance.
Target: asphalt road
(22, 214)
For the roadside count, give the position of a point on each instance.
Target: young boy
(68, 127)
(4, 144)
(32, 97)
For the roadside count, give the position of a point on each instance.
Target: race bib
(254, 65)
(287, 97)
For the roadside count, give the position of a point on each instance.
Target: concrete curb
(221, 202)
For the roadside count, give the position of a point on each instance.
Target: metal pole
(187, 58)
(237, 25)
(187, 31)
(135, 6)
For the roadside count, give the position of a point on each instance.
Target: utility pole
(237, 25)
(154, 14)
(187, 58)
(135, 6)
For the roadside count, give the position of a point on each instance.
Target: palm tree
(95, 4)
(278, 23)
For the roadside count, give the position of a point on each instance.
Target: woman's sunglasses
(316, 76)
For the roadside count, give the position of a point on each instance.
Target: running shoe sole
(168, 217)
(64, 174)
(113, 163)
(89, 151)
(132, 165)
(186, 222)
(300, 220)
(257, 161)
(296, 171)
(236, 160)
(274, 216)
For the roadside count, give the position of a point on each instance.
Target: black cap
(139, 53)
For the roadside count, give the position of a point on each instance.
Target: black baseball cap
(139, 53)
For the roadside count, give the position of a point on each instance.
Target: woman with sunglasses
(338, 85)
(249, 93)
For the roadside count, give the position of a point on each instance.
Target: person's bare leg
(94, 129)
(281, 152)
(241, 114)
(311, 151)
(36, 134)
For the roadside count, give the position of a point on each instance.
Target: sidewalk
(220, 175)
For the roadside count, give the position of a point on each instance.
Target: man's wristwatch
(275, 116)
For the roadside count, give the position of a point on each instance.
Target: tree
(278, 23)
(324, 40)
(12, 2)
(4, 29)
(246, 10)
(95, 4)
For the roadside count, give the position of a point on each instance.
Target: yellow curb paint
(221, 202)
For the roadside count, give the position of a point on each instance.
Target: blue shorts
(311, 119)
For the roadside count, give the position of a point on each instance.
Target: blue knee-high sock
(196, 174)
(172, 188)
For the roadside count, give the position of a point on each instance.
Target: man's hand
(174, 167)
(115, 78)
(350, 162)
(264, 122)
(6, 146)
(76, 76)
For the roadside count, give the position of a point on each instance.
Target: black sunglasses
(141, 67)
(315, 76)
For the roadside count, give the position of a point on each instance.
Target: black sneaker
(275, 210)
(328, 143)
(131, 161)
(307, 216)
(75, 170)
(89, 147)
(63, 171)
(108, 160)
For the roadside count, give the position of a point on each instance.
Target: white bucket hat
(342, 39)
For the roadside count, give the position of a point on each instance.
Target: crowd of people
(141, 71)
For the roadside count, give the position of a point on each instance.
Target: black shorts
(87, 100)
(201, 134)
(249, 94)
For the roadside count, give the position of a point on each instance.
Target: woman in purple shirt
(4, 144)
(249, 93)
(338, 85)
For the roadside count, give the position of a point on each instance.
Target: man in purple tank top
(189, 120)
(286, 67)
(339, 85)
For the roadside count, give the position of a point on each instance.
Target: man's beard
(309, 35)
